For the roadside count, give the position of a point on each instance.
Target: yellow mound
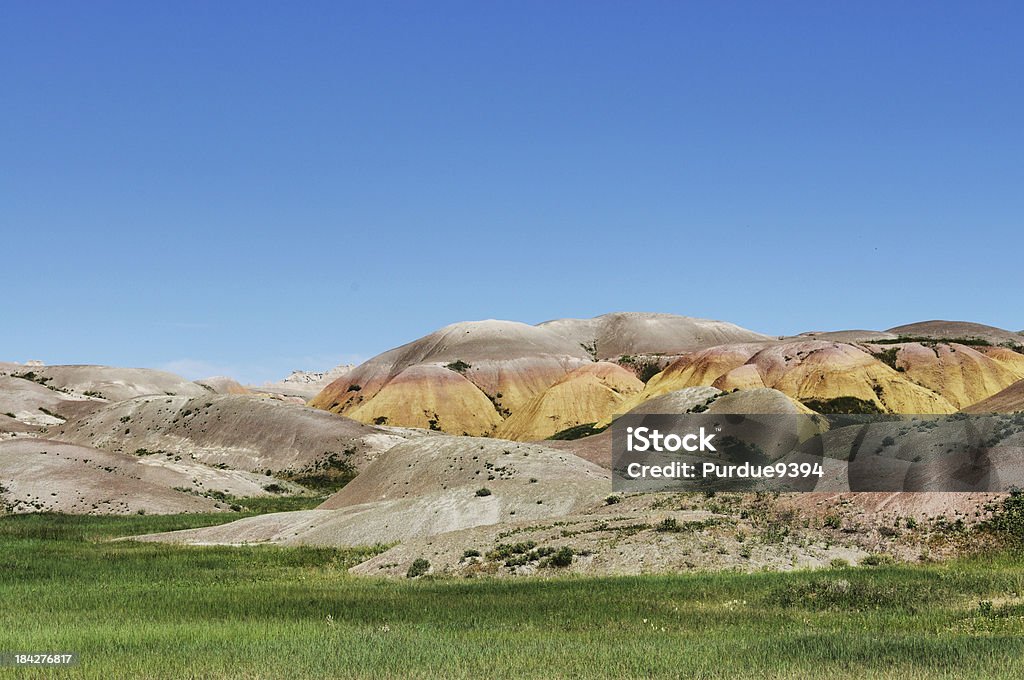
(963, 375)
(431, 397)
(586, 395)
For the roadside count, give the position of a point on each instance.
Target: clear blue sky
(251, 187)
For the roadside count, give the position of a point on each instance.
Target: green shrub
(483, 492)
(1008, 519)
(577, 432)
(561, 558)
(842, 405)
(459, 366)
(668, 524)
(888, 357)
(419, 567)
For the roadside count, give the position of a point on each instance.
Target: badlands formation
(482, 446)
(525, 383)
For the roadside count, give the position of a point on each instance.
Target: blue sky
(251, 187)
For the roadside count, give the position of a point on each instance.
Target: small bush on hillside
(483, 492)
(842, 405)
(577, 432)
(888, 357)
(561, 558)
(459, 366)
(1008, 519)
(419, 567)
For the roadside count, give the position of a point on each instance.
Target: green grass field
(156, 611)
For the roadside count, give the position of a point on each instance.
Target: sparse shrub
(833, 521)
(876, 560)
(577, 432)
(467, 554)
(419, 567)
(612, 500)
(842, 405)
(274, 488)
(561, 558)
(668, 524)
(459, 366)
(483, 492)
(888, 357)
(839, 563)
(1007, 520)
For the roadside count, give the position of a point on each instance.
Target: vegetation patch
(888, 357)
(577, 432)
(269, 611)
(459, 366)
(842, 406)
(327, 475)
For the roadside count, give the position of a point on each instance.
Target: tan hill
(851, 336)
(957, 330)
(304, 384)
(962, 374)
(611, 336)
(241, 432)
(585, 395)
(31, 403)
(503, 363)
(221, 384)
(106, 382)
(37, 475)
(428, 487)
(1009, 400)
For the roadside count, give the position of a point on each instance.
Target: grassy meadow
(139, 610)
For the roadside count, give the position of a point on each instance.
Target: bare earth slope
(963, 375)
(427, 487)
(31, 403)
(1010, 400)
(38, 475)
(115, 384)
(242, 432)
(629, 333)
(953, 330)
(582, 396)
